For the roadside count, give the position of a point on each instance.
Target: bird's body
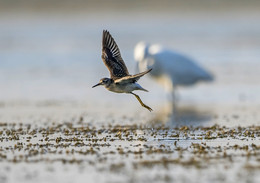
(169, 68)
(120, 80)
(124, 88)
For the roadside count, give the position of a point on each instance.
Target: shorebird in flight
(120, 80)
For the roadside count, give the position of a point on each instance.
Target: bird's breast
(122, 88)
(115, 88)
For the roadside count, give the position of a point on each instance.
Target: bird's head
(104, 81)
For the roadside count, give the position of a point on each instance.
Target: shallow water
(49, 61)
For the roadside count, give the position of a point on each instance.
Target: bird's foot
(141, 102)
(147, 107)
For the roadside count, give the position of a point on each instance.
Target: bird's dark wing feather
(112, 58)
(131, 78)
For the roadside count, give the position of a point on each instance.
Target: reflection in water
(182, 115)
(190, 115)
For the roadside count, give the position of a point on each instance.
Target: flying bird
(120, 80)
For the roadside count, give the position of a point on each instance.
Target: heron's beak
(96, 85)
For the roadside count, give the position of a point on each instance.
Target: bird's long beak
(96, 85)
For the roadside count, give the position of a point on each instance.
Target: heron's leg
(174, 103)
(141, 102)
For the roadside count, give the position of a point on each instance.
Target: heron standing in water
(171, 69)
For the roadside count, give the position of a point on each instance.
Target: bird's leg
(141, 102)
(174, 103)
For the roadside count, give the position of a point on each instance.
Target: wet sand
(97, 152)
(67, 143)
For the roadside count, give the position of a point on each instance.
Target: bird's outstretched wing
(131, 78)
(112, 58)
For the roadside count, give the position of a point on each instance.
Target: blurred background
(50, 54)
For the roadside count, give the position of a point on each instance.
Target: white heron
(171, 69)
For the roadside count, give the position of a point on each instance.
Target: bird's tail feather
(139, 87)
(143, 89)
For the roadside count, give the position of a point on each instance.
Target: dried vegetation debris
(120, 146)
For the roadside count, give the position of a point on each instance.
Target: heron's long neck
(146, 52)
